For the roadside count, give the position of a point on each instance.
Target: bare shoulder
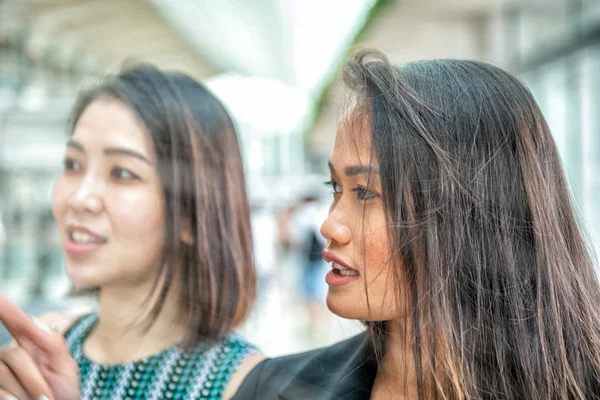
(61, 321)
(240, 374)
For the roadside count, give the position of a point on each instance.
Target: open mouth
(80, 237)
(337, 269)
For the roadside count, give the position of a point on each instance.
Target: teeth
(81, 237)
(337, 266)
(342, 270)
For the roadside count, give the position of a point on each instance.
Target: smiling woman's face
(357, 232)
(109, 202)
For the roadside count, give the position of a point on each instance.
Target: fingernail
(43, 327)
(42, 397)
(10, 398)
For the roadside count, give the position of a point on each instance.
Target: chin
(346, 308)
(82, 284)
(352, 306)
(82, 278)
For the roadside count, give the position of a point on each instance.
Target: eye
(363, 193)
(122, 174)
(70, 164)
(334, 186)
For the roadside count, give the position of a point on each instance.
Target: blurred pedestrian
(303, 228)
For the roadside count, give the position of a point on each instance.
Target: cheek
(59, 199)
(382, 283)
(136, 214)
(375, 244)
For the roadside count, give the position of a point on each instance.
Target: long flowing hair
(504, 298)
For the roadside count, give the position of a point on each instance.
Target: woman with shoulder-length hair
(451, 233)
(152, 212)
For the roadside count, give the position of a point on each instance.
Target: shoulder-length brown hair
(504, 296)
(201, 170)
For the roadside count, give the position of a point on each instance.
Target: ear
(186, 232)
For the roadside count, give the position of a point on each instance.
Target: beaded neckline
(174, 373)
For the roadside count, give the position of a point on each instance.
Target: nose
(334, 229)
(87, 198)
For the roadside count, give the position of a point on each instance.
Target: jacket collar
(345, 371)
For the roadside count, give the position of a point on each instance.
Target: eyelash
(70, 164)
(333, 185)
(131, 177)
(362, 193)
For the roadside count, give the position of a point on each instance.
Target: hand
(39, 363)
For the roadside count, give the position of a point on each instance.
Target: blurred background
(275, 64)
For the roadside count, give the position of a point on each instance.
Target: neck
(122, 334)
(397, 373)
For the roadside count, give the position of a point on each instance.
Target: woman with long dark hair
(153, 216)
(452, 235)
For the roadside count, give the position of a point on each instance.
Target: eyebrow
(356, 169)
(111, 151)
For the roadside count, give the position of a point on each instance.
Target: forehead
(108, 121)
(353, 140)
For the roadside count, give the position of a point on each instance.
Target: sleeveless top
(200, 373)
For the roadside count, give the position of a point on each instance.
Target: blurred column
(285, 148)
(590, 129)
(501, 33)
(590, 15)
(10, 62)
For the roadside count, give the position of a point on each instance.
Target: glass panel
(590, 104)
(591, 14)
(554, 105)
(544, 24)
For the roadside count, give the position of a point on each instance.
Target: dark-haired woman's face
(109, 202)
(356, 231)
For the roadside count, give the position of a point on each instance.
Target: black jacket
(345, 371)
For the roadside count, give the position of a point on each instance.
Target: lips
(81, 240)
(330, 257)
(341, 273)
(82, 235)
(335, 260)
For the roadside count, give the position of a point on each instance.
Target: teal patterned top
(200, 373)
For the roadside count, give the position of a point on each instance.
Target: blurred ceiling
(419, 29)
(298, 42)
(101, 33)
(294, 41)
(268, 60)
